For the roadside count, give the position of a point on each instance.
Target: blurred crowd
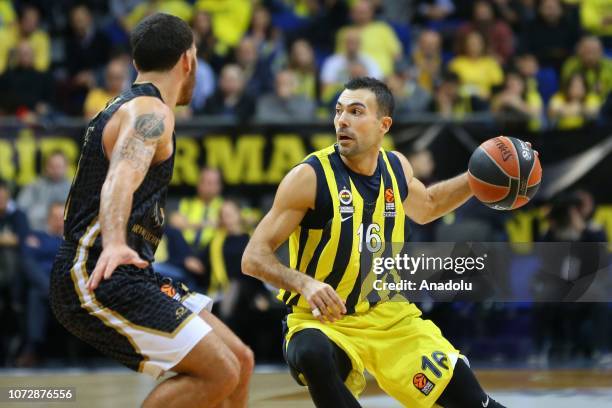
(535, 63)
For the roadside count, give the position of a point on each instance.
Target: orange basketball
(504, 173)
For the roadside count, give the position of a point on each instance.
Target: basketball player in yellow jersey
(329, 206)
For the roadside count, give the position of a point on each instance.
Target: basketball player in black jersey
(335, 204)
(103, 288)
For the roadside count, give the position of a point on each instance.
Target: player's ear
(385, 123)
(188, 59)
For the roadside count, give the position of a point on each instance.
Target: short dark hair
(158, 42)
(384, 97)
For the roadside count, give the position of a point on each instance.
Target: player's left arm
(426, 204)
(144, 130)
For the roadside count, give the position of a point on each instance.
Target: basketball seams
(495, 161)
(486, 182)
(492, 185)
(533, 165)
(518, 167)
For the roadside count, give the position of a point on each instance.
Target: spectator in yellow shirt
(378, 40)
(596, 16)
(573, 106)
(7, 13)
(302, 63)
(515, 106)
(591, 63)
(115, 79)
(198, 217)
(478, 71)
(28, 29)
(179, 8)
(427, 59)
(230, 20)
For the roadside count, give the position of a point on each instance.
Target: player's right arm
(144, 131)
(295, 195)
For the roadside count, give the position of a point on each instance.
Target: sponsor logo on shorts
(180, 312)
(168, 289)
(422, 383)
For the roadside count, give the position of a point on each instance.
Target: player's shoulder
(403, 162)
(299, 187)
(148, 111)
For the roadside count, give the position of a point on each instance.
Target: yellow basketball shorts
(408, 356)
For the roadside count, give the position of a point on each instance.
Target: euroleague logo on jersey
(345, 197)
(389, 203)
(389, 196)
(422, 383)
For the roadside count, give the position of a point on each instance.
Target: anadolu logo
(345, 197)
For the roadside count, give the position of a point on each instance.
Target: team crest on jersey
(345, 197)
(346, 201)
(422, 383)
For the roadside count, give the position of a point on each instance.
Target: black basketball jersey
(145, 224)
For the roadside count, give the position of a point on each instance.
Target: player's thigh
(422, 362)
(242, 352)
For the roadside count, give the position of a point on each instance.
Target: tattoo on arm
(149, 126)
(138, 151)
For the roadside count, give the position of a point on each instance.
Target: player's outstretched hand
(324, 302)
(111, 257)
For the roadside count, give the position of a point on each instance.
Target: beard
(187, 89)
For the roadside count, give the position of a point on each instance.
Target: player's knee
(312, 360)
(246, 359)
(227, 375)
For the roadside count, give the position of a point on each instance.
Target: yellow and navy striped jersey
(354, 217)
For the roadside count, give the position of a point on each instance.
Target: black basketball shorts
(137, 317)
